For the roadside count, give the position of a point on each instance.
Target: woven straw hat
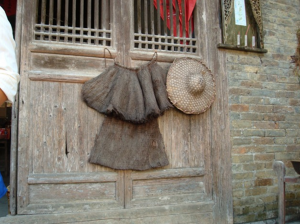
(190, 85)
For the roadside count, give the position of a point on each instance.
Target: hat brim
(178, 91)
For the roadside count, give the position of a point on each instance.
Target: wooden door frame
(15, 116)
(220, 137)
(19, 151)
(220, 142)
(221, 147)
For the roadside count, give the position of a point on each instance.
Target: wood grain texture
(71, 193)
(72, 178)
(242, 48)
(80, 206)
(279, 168)
(24, 105)
(180, 140)
(94, 123)
(166, 125)
(220, 130)
(169, 200)
(54, 77)
(15, 116)
(36, 117)
(53, 126)
(166, 187)
(55, 142)
(69, 65)
(168, 173)
(162, 56)
(203, 140)
(162, 214)
(69, 49)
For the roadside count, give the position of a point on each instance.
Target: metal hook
(105, 56)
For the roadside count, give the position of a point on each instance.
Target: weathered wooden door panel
(58, 129)
(64, 193)
(185, 179)
(64, 47)
(182, 214)
(167, 187)
(60, 178)
(187, 139)
(204, 217)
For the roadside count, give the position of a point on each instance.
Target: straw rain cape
(124, 145)
(133, 98)
(131, 94)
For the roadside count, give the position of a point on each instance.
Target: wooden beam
(292, 179)
(50, 77)
(70, 178)
(170, 173)
(279, 168)
(242, 48)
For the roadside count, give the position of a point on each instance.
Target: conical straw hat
(190, 85)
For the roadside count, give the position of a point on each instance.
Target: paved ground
(4, 203)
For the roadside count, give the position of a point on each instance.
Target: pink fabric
(189, 8)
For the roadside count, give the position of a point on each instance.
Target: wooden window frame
(55, 22)
(162, 31)
(231, 30)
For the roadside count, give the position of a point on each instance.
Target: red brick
(261, 108)
(293, 148)
(264, 182)
(239, 108)
(251, 84)
(274, 117)
(294, 102)
(264, 157)
(255, 191)
(263, 140)
(281, 57)
(283, 109)
(292, 87)
(240, 150)
(239, 91)
(266, 125)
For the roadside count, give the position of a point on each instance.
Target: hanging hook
(105, 56)
(155, 54)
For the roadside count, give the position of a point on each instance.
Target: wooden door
(62, 46)
(56, 129)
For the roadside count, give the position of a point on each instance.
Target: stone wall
(264, 98)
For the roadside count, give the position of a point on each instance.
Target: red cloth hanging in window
(189, 8)
(10, 7)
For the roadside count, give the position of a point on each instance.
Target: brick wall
(264, 98)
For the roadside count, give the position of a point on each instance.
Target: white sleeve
(9, 76)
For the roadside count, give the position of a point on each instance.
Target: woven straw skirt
(129, 137)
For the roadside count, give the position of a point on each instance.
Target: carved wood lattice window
(254, 24)
(74, 21)
(152, 32)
